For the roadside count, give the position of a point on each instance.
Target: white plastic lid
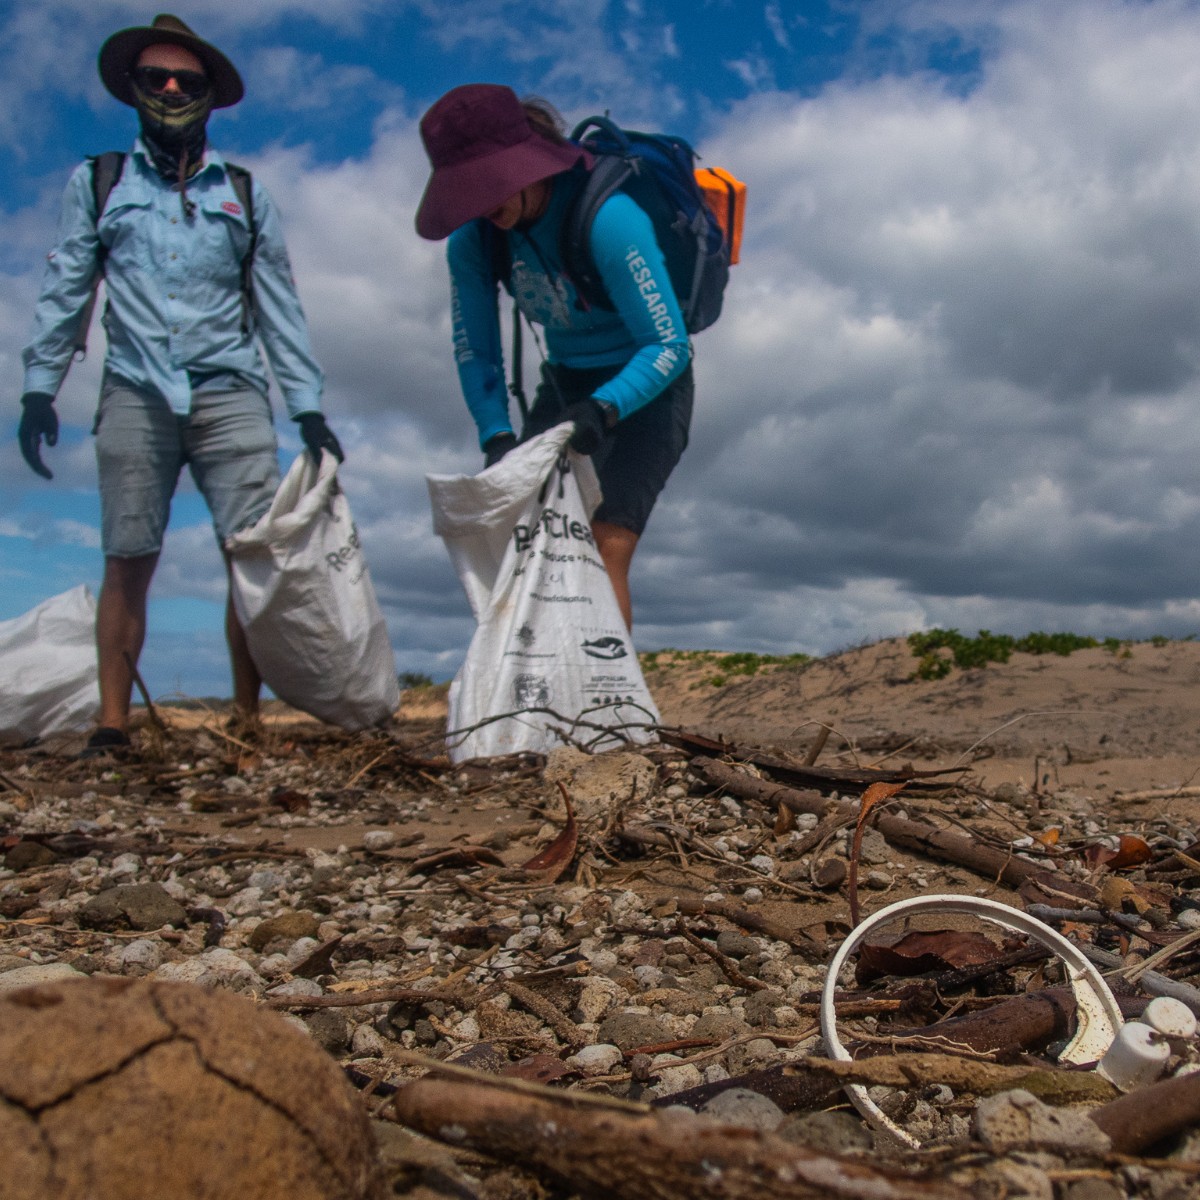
(1172, 1018)
(1136, 1057)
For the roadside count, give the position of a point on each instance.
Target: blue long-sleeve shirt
(645, 335)
(174, 318)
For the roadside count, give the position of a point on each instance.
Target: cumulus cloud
(967, 360)
(50, 530)
(956, 381)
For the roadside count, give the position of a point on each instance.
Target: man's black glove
(318, 436)
(590, 424)
(497, 446)
(38, 420)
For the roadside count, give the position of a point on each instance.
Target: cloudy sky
(957, 381)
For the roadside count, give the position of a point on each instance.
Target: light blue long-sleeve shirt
(645, 335)
(174, 317)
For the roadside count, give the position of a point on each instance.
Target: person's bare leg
(616, 545)
(121, 630)
(247, 682)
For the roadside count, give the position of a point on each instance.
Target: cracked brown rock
(134, 1089)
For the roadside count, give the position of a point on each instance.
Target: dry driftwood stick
(562, 1025)
(1026, 1022)
(963, 1075)
(1150, 1114)
(927, 839)
(795, 772)
(611, 1155)
(814, 751)
(728, 967)
(957, 848)
(1087, 916)
(1162, 956)
(793, 1093)
(747, 918)
(1151, 982)
(765, 791)
(379, 995)
(151, 711)
(1160, 794)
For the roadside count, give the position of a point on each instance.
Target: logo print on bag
(531, 691)
(605, 647)
(551, 524)
(339, 558)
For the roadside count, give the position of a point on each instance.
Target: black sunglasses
(155, 79)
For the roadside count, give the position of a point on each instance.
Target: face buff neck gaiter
(173, 128)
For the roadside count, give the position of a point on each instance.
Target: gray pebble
(736, 945)
(630, 1030)
(1018, 1120)
(297, 987)
(741, 1106)
(834, 1131)
(36, 974)
(599, 1059)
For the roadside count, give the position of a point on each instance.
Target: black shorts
(636, 457)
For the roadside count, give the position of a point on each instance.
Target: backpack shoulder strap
(243, 186)
(498, 252)
(242, 183)
(106, 170)
(607, 176)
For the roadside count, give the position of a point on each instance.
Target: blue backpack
(657, 170)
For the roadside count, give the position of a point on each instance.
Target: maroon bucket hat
(483, 150)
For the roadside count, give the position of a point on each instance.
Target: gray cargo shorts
(227, 442)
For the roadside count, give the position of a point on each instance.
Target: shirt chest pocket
(153, 234)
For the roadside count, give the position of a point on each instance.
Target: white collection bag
(48, 677)
(550, 633)
(304, 596)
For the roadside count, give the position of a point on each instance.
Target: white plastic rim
(1098, 1016)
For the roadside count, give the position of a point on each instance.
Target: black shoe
(105, 740)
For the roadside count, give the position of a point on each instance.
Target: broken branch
(669, 1155)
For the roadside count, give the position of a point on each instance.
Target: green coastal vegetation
(727, 665)
(938, 651)
(941, 650)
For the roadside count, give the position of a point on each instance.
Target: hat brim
(460, 193)
(119, 55)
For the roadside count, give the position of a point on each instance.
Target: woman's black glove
(497, 446)
(589, 421)
(38, 420)
(318, 436)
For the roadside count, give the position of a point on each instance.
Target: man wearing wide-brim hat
(184, 379)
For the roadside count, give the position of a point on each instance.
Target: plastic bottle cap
(1172, 1018)
(1136, 1057)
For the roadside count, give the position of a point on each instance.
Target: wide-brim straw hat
(483, 151)
(119, 55)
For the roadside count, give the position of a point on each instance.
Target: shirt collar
(213, 160)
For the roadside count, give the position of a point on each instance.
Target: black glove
(496, 447)
(39, 420)
(590, 424)
(318, 436)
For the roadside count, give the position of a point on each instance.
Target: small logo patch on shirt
(233, 209)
